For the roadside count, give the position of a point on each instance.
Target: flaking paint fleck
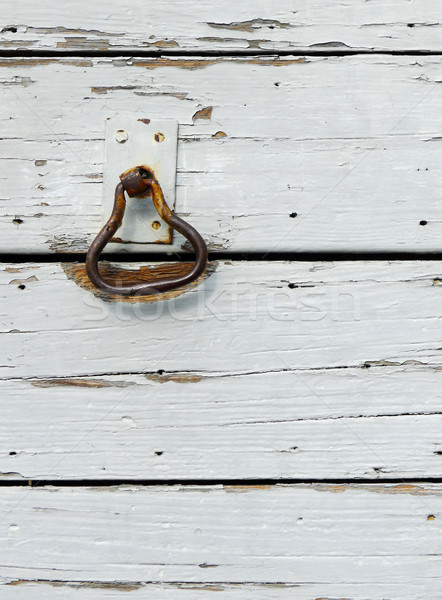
(403, 488)
(175, 377)
(79, 382)
(243, 489)
(23, 281)
(251, 25)
(203, 114)
(104, 585)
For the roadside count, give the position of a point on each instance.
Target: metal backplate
(132, 142)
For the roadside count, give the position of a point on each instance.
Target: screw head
(121, 136)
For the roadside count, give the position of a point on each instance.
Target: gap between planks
(133, 257)
(404, 484)
(252, 52)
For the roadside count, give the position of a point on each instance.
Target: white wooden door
(274, 431)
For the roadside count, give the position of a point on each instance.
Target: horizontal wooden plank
(305, 154)
(309, 370)
(313, 541)
(230, 26)
(246, 316)
(382, 422)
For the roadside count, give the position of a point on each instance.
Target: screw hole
(156, 225)
(423, 223)
(410, 24)
(431, 518)
(293, 215)
(121, 136)
(160, 372)
(292, 286)
(21, 286)
(12, 453)
(17, 221)
(158, 453)
(159, 137)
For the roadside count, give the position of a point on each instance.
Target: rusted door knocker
(140, 181)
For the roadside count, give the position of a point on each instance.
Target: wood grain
(314, 541)
(231, 26)
(299, 154)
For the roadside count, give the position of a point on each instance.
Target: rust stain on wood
(79, 382)
(176, 377)
(116, 275)
(251, 25)
(204, 114)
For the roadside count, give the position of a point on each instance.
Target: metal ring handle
(138, 182)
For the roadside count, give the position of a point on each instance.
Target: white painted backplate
(150, 143)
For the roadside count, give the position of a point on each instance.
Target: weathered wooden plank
(308, 25)
(378, 422)
(265, 375)
(306, 154)
(314, 541)
(245, 316)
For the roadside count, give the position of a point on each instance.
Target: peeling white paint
(346, 150)
(186, 26)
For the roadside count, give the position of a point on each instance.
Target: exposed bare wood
(122, 276)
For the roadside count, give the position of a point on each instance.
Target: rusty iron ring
(139, 181)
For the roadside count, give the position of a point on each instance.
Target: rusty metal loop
(138, 182)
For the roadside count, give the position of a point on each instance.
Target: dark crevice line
(214, 482)
(141, 53)
(225, 255)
